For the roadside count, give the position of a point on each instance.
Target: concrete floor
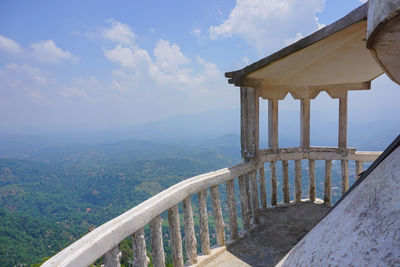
(280, 229)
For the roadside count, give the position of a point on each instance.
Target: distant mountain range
(218, 126)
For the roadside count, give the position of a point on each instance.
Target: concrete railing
(312, 154)
(104, 240)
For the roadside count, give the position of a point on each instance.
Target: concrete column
(249, 114)
(305, 122)
(273, 123)
(342, 140)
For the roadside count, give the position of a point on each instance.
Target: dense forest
(51, 197)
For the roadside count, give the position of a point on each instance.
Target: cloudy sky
(99, 64)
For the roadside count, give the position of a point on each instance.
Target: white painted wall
(363, 230)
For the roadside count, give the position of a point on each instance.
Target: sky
(74, 65)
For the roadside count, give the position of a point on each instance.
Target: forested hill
(55, 195)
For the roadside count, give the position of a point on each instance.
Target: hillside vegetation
(59, 194)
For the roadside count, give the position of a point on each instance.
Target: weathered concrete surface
(281, 228)
(380, 11)
(363, 230)
(383, 35)
(227, 259)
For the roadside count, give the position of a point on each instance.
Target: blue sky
(99, 64)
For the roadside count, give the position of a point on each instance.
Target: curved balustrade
(104, 240)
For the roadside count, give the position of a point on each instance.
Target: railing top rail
(317, 153)
(86, 250)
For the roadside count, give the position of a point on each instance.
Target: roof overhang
(383, 35)
(334, 58)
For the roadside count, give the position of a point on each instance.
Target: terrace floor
(280, 229)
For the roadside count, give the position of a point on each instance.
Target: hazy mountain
(221, 127)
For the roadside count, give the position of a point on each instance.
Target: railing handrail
(317, 153)
(95, 244)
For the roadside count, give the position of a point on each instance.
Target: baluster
(204, 234)
(297, 183)
(244, 202)
(112, 258)
(254, 197)
(311, 174)
(272, 166)
(217, 211)
(157, 242)
(231, 201)
(263, 193)
(139, 249)
(175, 232)
(247, 179)
(345, 176)
(190, 237)
(285, 174)
(328, 170)
(359, 168)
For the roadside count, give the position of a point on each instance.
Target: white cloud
(169, 67)
(169, 57)
(363, 1)
(198, 34)
(117, 86)
(43, 51)
(126, 53)
(24, 81)
(119, 32)
(210, 70)
(264, 24)
(152, 83)
(320, 26)
(48, 52)
(10, 46)
(127, 57)
(87, 88)
(178, 81)
(290, 41)
(246, 60)
(26, 73)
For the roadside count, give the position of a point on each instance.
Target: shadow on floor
(280, 229)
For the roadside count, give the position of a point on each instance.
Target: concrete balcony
(279, 230)
(245, 191)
